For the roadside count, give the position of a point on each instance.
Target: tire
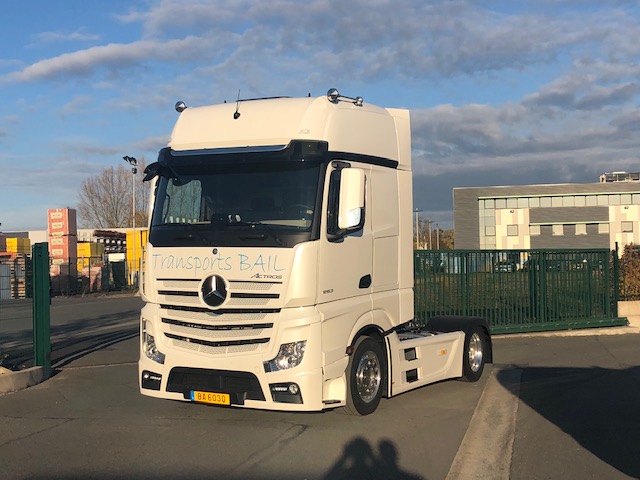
(366, 377)
(473, 357)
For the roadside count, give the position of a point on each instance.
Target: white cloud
(150, 145)
(78, 104)
(540, 92)
(113, 56)
(79, 35)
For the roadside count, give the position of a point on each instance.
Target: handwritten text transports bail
(239, 262)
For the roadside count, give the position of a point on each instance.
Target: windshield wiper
(187, 231)
(266, 227)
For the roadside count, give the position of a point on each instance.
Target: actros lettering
(267, 277)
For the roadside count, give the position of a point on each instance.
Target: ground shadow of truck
(597, 407)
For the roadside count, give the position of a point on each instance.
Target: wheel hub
(475, 352)
(368, 376)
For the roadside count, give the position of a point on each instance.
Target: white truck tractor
(279, 269)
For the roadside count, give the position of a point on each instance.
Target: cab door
(346, 252)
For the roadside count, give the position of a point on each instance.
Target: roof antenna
(236, 115)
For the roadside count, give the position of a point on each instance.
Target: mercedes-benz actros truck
(279, 268)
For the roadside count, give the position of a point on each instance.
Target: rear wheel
(366, 375)
(473, 359)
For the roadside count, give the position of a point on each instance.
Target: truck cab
(278, 273)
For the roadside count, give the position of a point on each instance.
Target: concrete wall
(631, 310)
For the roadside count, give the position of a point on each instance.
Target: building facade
(588, 215)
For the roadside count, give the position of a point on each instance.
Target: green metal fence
(519, 290)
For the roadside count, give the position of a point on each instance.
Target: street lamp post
(134, 169)
(416, 211)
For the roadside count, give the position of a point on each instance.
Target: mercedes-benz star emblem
(214, 290)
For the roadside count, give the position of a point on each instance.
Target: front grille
(243, 325)
(211, 314)
(240, 386)
(230, 343)
(242, 294)
(218, 330)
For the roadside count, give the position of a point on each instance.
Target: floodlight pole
(416, 211)
(134, 163)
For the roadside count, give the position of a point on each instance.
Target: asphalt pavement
(553, 406)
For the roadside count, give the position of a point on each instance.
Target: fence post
(41, 305)
(616, 281)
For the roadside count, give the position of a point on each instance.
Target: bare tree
(432, 237)
(105, 200)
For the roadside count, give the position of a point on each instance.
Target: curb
(580, 332)
(14, 381)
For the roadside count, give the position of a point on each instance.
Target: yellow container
(89, 254)
(139, 241)
(18, 245)
(90, 249)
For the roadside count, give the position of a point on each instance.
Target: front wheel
(473, 358)
(366, 376)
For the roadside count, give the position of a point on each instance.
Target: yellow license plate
(211, 397)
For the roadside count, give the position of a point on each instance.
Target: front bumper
(239, 375)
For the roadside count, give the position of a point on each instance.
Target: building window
(534, 230)
(603, 228)
(512, 230)
(558, 229)
(627, 227)
(490, 231)
(581, 229)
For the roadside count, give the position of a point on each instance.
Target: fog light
(285, 393)
(151, 380)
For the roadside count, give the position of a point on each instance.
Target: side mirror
(345, 212)
(152, 171)
(351, 199)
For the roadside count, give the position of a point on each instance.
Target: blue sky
(500, 92)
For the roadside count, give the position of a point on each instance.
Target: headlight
(149, 344)
(289, 356)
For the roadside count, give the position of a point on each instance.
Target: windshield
(270, 203)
